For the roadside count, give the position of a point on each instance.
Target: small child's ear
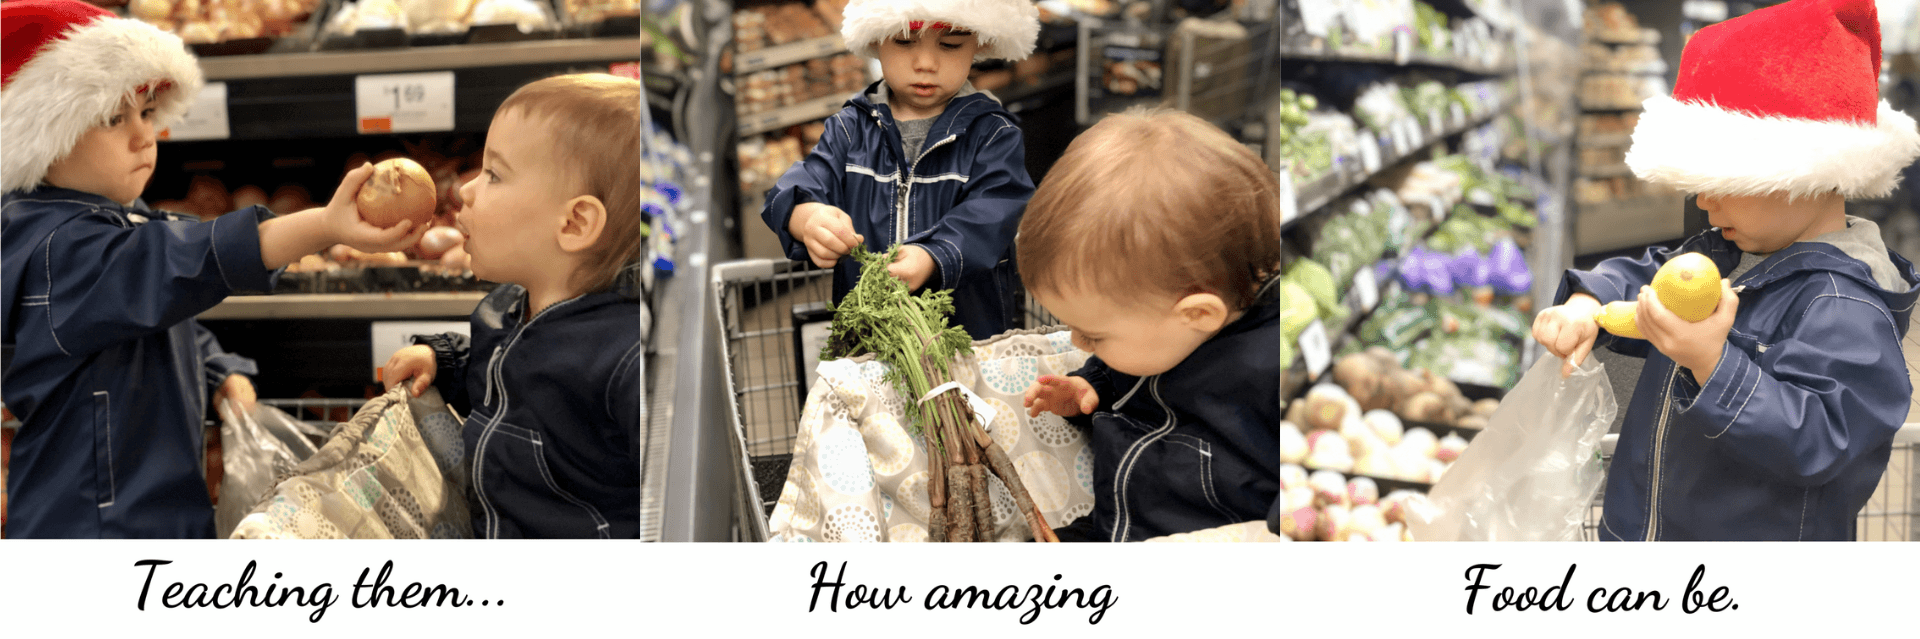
(580, 229)
(1204, 312)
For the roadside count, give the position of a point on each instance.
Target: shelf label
(403, 102)
(1369, 153)
(1366, 289)
(1459, 114)
(1288, 207)
(1316, 350)
(206, 118)
(1402, 46)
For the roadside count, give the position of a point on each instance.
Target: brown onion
(399, 189)
(438, 241)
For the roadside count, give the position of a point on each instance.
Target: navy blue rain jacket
(961, 201)
(1193, 448)
(1792, 431)
(552, 406)
(110, 374)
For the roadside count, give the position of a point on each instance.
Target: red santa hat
(69, 66)
(1784, 99)
(1007, 29)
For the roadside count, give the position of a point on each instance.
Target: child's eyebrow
(498, 159)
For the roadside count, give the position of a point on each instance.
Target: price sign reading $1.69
(403, 102)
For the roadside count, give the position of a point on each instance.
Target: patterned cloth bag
(381, 475)
(859, 474)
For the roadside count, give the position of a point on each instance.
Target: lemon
(1689, 285)
(1617, 318)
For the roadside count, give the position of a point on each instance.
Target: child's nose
(143, 134)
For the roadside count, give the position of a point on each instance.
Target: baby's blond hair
(1153, 201)
(595, 122)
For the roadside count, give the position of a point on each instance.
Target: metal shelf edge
(281, 65)
(815, 109)
(789, 53)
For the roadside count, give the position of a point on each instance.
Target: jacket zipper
(496, 376)
(1660, 444)
(1133, 455)
(906, 191)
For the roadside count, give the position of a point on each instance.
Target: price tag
(1366, 289)
(402, 102)
(1369, 153)
(1288, 207)
(1459, 114)
(206, 118)
(1402, 46)
(1316, 350)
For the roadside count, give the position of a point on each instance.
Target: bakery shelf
(789, 53)
(285, 65)
(355, 305)
(815, 109)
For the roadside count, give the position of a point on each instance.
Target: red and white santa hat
(1784, 99)
(1007, 29)
(68, 67)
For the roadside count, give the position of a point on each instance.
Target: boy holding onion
(550, 378)
(107, 369)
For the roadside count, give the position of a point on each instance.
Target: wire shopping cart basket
(773, 319)
(1892, 514)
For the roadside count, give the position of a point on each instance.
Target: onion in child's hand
(399, 189)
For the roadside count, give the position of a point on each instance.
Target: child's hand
(414, 362)
(343, 220)
(912, 265)
(1695, 345)
(239, 389)
(1064, 396)
(826, 230)
(1568, 330)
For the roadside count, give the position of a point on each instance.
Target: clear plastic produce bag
(255, 448)
(1531, 475)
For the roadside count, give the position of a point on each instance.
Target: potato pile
(1323, 505)
(1354, 424)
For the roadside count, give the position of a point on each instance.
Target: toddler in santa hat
(920, 159)
(1774, 417)
(109, 373)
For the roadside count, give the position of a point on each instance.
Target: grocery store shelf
(1015, 98)
(283, 65)
(358, 305)
(1315, 196)
(1607, 141)
(1608, 171)
(815, 109)
(789, 53)
(1609, 106)
(1387, 57)
(1644, 36)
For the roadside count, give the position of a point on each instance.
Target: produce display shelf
(1644, 36)
(354, 305)
(1315, 196)
(815, 109)
(789, 53)
(1609, 106)
(284, 65)
(1363, 56)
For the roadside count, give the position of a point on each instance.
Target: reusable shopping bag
(1532, 474)
(382, 475)
(256, 448)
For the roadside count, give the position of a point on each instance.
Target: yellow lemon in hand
(1689, 285)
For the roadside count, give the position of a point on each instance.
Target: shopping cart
(773, 319)
(1892, 514)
